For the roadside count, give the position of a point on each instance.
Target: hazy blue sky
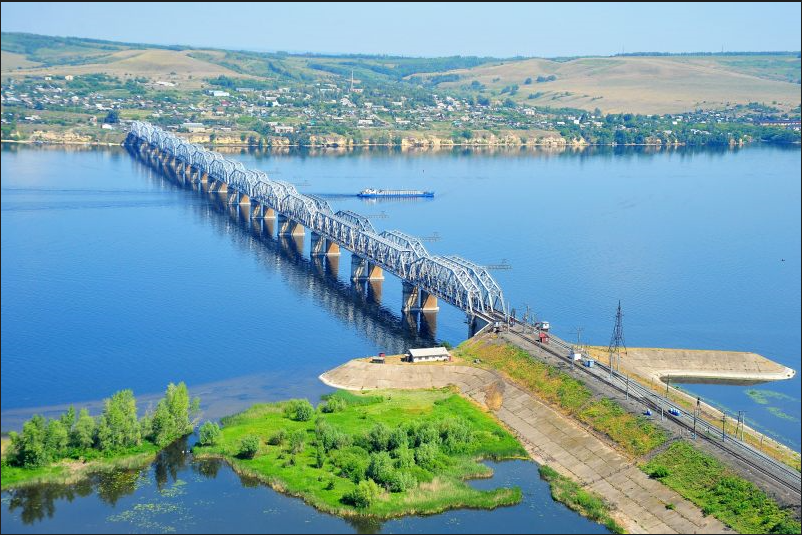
(425, 29)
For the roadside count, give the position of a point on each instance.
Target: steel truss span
(457, 281)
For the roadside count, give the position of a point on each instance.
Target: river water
(113, 277)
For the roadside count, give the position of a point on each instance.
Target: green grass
(635, 434)
(71, 470)
(718, 491)
(576, 498)
(437, 488)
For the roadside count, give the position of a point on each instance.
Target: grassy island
(387, 454)
(69, 448)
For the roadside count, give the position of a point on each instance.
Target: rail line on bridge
(425, 277)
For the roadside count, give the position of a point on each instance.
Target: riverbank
(411, 144)
(69, 471)
(550, 437)
(386, 455)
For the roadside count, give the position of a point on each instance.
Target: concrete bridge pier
(288, 227)
(410, 297)
(323, 247)
(414, 299)
(363, 270)
(428, 302)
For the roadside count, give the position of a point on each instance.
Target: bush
(363, 495)
(329, 437)
(297, 439)
(658, 471)
(379, 437)
(404, 457)
(334, 404)
(248, 447)
(299, 409)
(353, 463)
(209, 434)
(278, 438)
(398, 481)
(426, 454)
(380, 467)
(397, 439)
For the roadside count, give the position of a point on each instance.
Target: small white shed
(429, 354)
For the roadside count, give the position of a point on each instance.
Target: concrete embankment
(697, 364)
(550, 437)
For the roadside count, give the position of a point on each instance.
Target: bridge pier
(414, 299)
(323, 247)
(288, 227)
(364, 270)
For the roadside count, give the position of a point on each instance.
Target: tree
(29, 446)
(320, 456)
(296, 440)
(112, 117)
(380, 467)
(426, 454)
(118, 426)
(209, 434)
(528, 81)
(68, 418)
(379, 437)
(172, 418)
(248, 447)
(56, 440)
(83, 432)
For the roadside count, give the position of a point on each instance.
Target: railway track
(752, 458)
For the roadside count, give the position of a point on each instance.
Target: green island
(69, 448)
(383, 455)
(720, 492)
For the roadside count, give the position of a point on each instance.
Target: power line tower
(617, 340)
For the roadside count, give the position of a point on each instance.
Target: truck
(542, 326)
(543, 337)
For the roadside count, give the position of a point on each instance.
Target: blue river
(114, 277)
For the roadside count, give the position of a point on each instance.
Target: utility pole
(617, 340)
(723, 421)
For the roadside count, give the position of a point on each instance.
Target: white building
(430, 354)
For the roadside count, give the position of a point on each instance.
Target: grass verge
(635, 434)
(718, 491)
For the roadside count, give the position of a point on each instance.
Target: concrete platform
(698, 364)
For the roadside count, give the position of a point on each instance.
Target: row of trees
(116, 430)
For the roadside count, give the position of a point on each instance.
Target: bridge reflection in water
(357, 304)
(275, 208)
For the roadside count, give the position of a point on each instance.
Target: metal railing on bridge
(457, 281)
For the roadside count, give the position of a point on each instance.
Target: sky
(425, 29)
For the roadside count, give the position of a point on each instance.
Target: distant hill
(640, 84)
(630, 83)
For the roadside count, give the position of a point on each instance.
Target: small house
(430, 354)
